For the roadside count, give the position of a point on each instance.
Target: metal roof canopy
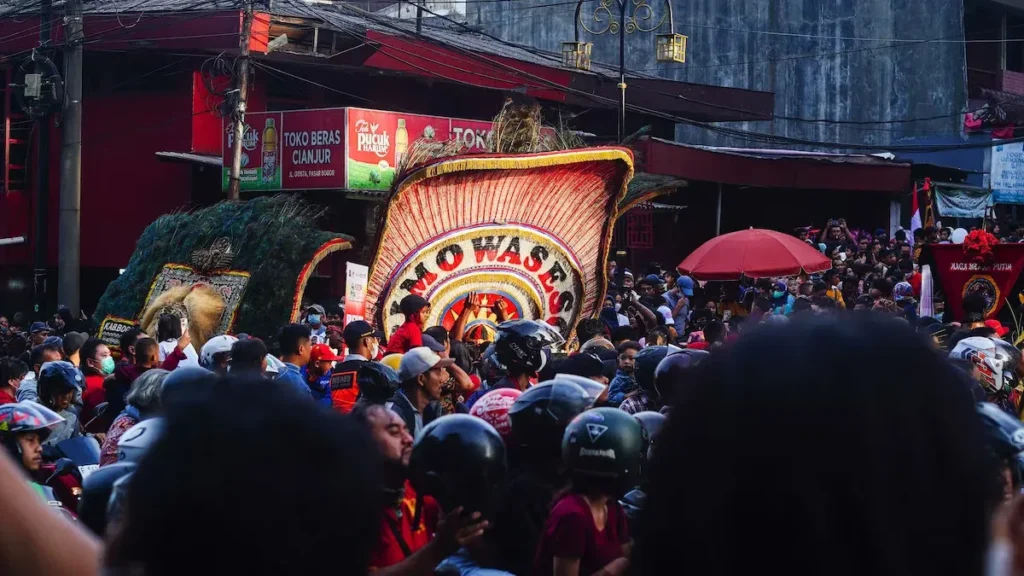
(775, 168)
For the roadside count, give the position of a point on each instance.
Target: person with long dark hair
(782, 455)
(249, 478)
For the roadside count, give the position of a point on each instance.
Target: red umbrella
(753, 253)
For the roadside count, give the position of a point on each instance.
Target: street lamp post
(633, 16)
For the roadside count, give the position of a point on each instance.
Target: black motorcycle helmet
(646, 363)
(539, 416)
(96, 490)
(669, 373)
(604, 446)
(460, 461)
(652, 424)
(377, 382)
(1004, 436)
(525, 345)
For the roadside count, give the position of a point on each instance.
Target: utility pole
(69, 260)
(238, 114)
(42, 188)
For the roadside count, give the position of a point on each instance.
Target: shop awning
(774, 168)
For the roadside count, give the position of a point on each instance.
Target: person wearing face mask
(96, 362)
(363, 343)
(782, 299)
(315, 315)
(11, 374)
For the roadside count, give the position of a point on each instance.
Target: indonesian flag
(915, 214)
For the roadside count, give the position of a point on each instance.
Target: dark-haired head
(127, 343)
(804, 459)
(147, 353)
(168, 327)
(250, 479)
(249, 356)
(590, 328)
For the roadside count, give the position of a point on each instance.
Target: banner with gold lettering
(994, 279)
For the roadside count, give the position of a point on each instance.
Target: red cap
(323, 353)
(998, 327)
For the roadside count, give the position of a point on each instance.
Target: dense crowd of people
(814, 423)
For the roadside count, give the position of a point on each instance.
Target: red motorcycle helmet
(493, 408)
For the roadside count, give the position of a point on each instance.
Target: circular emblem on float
(513, 272)
(984, 285)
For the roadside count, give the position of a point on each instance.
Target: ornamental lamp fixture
(671, 48)
(576, 55)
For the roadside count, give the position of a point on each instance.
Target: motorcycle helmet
(1004, 436)
(21, 417)
(1011, 357)
(392, 361)
(633, 504)
(214, 347)
(460, 461)
(668, 374)
(136, 440)
(493, 408)
(58, 377)
(186, 383)
(490, 369)
(593, 388)
(377, 382)
(539, 416)
(987, 358)
(96, 491)
(526, 345)
(652, 424)
(604, 444)
(118, 497)
(1003, 433)
(645, 363)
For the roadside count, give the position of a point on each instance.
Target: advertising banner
(298, 150)
(994, 280)
(356, 276)
(378, 141)
(339, 148)
(1008, 173)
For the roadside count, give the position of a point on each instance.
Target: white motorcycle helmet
(136, 440)
(986, 356)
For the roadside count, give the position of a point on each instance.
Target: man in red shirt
(410, 334)
(406, 547)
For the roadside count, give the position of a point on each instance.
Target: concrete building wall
(830, 60)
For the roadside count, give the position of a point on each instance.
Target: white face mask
(618, 306)
(374, 351)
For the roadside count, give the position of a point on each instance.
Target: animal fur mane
(201, 304)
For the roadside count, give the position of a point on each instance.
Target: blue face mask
(314, 319)
(778, 294)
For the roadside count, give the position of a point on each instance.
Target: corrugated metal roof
(880, 159)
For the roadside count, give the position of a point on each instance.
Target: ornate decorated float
(526, 229)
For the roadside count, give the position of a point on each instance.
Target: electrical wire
(734, 132)
(844, 123)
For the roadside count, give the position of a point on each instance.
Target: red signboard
(313, 145)
(338, 148)
(300, 150)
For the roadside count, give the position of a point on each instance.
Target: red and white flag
(915, 214)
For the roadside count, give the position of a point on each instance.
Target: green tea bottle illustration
(269, 152)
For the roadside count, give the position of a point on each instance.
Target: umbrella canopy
(753, 253)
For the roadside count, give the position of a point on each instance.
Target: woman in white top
(168, 329)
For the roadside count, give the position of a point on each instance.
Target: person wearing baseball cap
(39, 332)
(422, 373)
(317, 373)
(363, 343)
(315, 317)
(410, 334)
